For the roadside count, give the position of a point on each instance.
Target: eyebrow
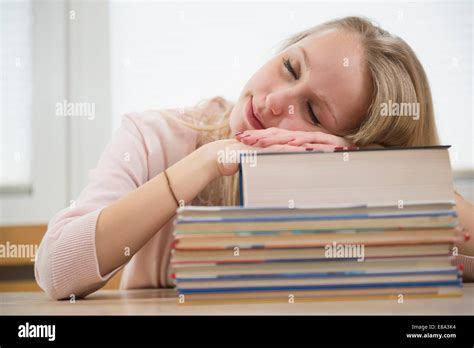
(320, 98)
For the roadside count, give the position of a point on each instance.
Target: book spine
(320, 287)
(241, 191)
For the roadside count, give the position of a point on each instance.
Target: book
(342, 282)
(303, 254)
(321, 223)
(217, 258)
(388, 229)
(379, 177)
(309, 240)
(216, 270)
(354, 294)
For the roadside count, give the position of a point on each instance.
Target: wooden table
(164, 302)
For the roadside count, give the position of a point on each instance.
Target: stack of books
(361, 224)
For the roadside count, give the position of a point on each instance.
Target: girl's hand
(309, 140)
(223, 155)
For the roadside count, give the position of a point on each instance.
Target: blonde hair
(210, 118)
(397, 77)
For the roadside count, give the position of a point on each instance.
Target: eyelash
(289, 67)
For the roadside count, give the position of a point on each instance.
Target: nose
(274, 104)
(278, 102)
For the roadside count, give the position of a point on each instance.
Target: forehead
(331, 47)
(338, 72)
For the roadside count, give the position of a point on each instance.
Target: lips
(252, 117)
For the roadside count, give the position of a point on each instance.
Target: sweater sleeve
(66, 262)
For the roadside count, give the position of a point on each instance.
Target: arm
(120, 207)
(137, 211)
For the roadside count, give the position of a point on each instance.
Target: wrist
(208, 154)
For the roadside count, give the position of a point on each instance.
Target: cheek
(266, 78)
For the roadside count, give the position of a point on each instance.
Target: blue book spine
(315, 275)
(322, 287)
(316, 217)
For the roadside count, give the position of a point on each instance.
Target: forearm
(127, 224)
(465, 211)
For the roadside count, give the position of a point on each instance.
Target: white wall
(70, 62)
(173, 54)
(49, 182)
(88, 81)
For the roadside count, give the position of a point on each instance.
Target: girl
(324, 89)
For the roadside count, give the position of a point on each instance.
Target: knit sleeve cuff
(74, 261)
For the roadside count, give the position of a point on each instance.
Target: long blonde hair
(211, 119)
(397, 77)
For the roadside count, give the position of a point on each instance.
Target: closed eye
(313, 116)
(289, 67)
(287, 64)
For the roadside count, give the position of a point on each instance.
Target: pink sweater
(144, 146)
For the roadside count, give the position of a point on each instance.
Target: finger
(282, 148)
(272, 140)
(258, 132)
(249, 139)
(262, 139)
(278, 135)
(319, 137)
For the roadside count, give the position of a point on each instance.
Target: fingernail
(238, 133)
(309, 148)
(467, 236)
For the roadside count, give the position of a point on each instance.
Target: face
(320, 83)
